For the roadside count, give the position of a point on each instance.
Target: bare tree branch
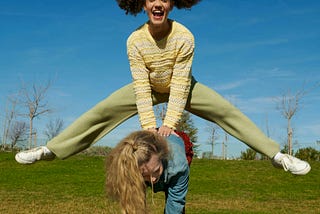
(53, 128)
(288, 105)
(9, 117)
(34, 100)
(17, 131)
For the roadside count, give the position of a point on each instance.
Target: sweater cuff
(170, 125)
(149, 126)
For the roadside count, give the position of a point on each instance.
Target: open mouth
(158, 13)
(156, 181)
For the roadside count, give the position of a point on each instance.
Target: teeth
(158, 13)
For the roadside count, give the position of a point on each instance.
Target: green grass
(76, 185)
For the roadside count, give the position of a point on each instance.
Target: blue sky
(249, 51)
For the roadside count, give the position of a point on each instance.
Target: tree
(185, 124)
(34, 100)
(10, 114)
(308, 154)
(288, 105)
(17, 131)
(225, 146)
(213, 136)
(285, 149)
(53, 128)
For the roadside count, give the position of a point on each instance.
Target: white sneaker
(291, 164)
(33, 155)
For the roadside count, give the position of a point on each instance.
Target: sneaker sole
(303, 172)
(22, 161)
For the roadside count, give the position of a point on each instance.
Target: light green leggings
(120, 106)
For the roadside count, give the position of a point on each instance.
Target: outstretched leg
(95, 123)
(207, 104)
(89, 127)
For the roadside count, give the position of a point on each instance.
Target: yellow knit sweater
(163, 66)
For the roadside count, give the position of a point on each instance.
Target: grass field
(76, 185)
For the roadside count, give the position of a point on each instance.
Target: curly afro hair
(134, 7)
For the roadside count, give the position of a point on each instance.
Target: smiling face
(158, 11)
(152, 170)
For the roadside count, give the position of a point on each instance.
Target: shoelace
(284, 163)
(34, 151)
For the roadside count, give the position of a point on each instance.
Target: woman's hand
(165, 131)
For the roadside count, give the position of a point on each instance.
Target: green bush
(308, 154)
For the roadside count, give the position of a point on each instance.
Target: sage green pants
(120, 106)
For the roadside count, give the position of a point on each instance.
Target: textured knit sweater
(162, 66)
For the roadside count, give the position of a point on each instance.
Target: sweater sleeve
(180, 81)
(142, 88)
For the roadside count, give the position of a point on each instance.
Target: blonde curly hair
(124, 181)
(134, 7)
